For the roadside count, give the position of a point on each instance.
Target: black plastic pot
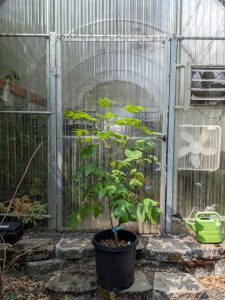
(115, 266)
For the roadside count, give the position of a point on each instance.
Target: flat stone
(176, 286)
(208, 251)
(140, 289)
(220, 267)
(71, 283)
(34, 249)
(167, 250)
(38, 268)
(74, 248)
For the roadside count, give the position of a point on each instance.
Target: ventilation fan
(199, 147)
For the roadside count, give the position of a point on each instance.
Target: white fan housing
(199, 147)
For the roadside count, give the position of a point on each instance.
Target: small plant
(26, 210)
(121, 184)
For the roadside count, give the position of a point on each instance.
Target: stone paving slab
(35, 249)
(208, 251)
(168, 250)
(74, 248)
(38, 268)
(174, 286)
(71, 283)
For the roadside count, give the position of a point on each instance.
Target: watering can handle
(208, 213)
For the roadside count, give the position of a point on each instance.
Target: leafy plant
(26, 210)
(121, 183)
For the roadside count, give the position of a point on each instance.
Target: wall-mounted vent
(207, 85)
(199, 147)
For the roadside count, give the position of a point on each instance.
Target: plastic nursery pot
(115, 266)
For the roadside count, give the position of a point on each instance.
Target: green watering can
(207, 226)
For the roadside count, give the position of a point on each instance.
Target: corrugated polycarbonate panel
(23, 74)
(128, 73)
(126, 17)
(20, 135)
(25, 16)
(202, 18)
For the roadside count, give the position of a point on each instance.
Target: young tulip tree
(122, 184)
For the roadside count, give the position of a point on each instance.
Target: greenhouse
(166, 56)
(112, 149)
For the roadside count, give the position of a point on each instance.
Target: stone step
(176, 286)
(71, 285)
(39, 268)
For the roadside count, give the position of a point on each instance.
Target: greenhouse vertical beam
(171, 123)
(55, 195)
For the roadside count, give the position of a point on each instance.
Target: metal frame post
(55, 136)
(171, 125)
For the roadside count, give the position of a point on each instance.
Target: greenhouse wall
(167, 56)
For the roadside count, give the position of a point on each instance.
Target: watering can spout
(190, 224)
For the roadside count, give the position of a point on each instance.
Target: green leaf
(133, 171)
(141, 213)
(146, 130)
(80, 132)
(149, 202)
(124, 211)
(133, 154)
(77, 176)
(153, 214)
(110, 115)
(83, 212)
(105, 102)
(78, 114)
(129, 121)
(87, 151)
(107, 191)
(135, 183)
(139, 176)
(89, 169)
(133, 108)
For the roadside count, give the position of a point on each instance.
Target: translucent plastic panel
(30, 16)
(202, 18)
(130, 17)
(23, 79)
(20, 135)
(126, 72)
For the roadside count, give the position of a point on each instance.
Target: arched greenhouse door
(129, 71)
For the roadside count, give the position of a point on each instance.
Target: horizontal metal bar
(26, 112)
(194, 106)
(208, 89)
(78, 37)
(209, 80)
(29, 215)
(207, 99)
(41, 35)
(209, 69)
(201, 38)
(152, 137)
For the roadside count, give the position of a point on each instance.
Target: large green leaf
(78, 114)
(124, 211)
(153, 214)
(129, 121)
(83, 212)
(141, 213)
(133, 108)
(133, 154)
(105, 102)
(80, 132)
(89, 169)
(135, 183)
(87, 151)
